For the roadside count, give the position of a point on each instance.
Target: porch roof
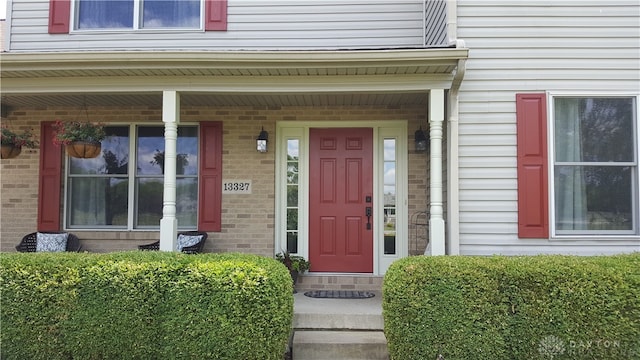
(230, 78)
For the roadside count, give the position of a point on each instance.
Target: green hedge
(144, 305)
(540, 307)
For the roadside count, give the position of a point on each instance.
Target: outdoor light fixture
(422, 143)
(261, 141)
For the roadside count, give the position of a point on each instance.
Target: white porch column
(436, 218)
(170, 118)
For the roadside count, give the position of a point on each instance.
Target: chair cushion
(187, 240)
(51, 242)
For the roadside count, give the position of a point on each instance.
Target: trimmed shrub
(539, 307)
(144, 305)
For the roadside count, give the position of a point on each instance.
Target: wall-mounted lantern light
(261, 141)
(422, 143)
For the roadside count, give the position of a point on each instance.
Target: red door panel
(341, 180)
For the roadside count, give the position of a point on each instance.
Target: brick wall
(247, 220)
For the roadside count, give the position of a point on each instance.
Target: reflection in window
(171, 14)
(293, 166)
(98, 189)
(105, 14)
(595, 169)
(154, 14)
(389, 181)
(150, 176)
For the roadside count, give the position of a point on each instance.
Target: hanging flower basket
(83, 149)
(12, 142)
(81, 139)
(10, 151)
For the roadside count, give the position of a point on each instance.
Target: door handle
(368, 212)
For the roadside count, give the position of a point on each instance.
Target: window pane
(171, 14)
(292, 242)
(187, 202)
(149, 201)
(292, 219)
(292, 172)
(593, 197)
(151, 151)
(389, 149)
(114, 158)
(594, 130)
(293, 149)
(97, 202)
(389, 244)
(187, 148)
(105, 14)
(292, 196)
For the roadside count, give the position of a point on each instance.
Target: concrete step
(336, 344)
(335, 321)
(319, 281)
(338, 314)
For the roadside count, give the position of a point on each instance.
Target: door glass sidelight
(293, 184)
(389, 210)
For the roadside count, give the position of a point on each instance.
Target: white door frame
(299, 131)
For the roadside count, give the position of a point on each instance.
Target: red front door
(341, 190)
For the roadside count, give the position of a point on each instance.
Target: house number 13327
(236, 187)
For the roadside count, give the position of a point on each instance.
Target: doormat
(339, 294)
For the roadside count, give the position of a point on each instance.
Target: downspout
(453, 170)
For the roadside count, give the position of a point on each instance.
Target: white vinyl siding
(519, 47)
(252, 25)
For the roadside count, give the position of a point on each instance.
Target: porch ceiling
(276, 78)
(191, 99)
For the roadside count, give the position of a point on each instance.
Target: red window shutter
(210, 192)
(215, 12)
(50, 180)
(533, 199)
(59, 16)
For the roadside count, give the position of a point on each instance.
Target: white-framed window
(389, 165)
(293, 194)
(594, 172)
(137, 14)
(123, 187)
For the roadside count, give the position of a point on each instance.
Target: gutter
(228, 59)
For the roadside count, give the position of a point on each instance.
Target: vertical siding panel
(436, 21)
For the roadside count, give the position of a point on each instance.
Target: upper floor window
(595, 165)
(138, 14)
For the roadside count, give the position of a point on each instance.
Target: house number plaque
(236, 187)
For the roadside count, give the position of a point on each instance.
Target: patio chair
(190, 242)
(29, 242)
